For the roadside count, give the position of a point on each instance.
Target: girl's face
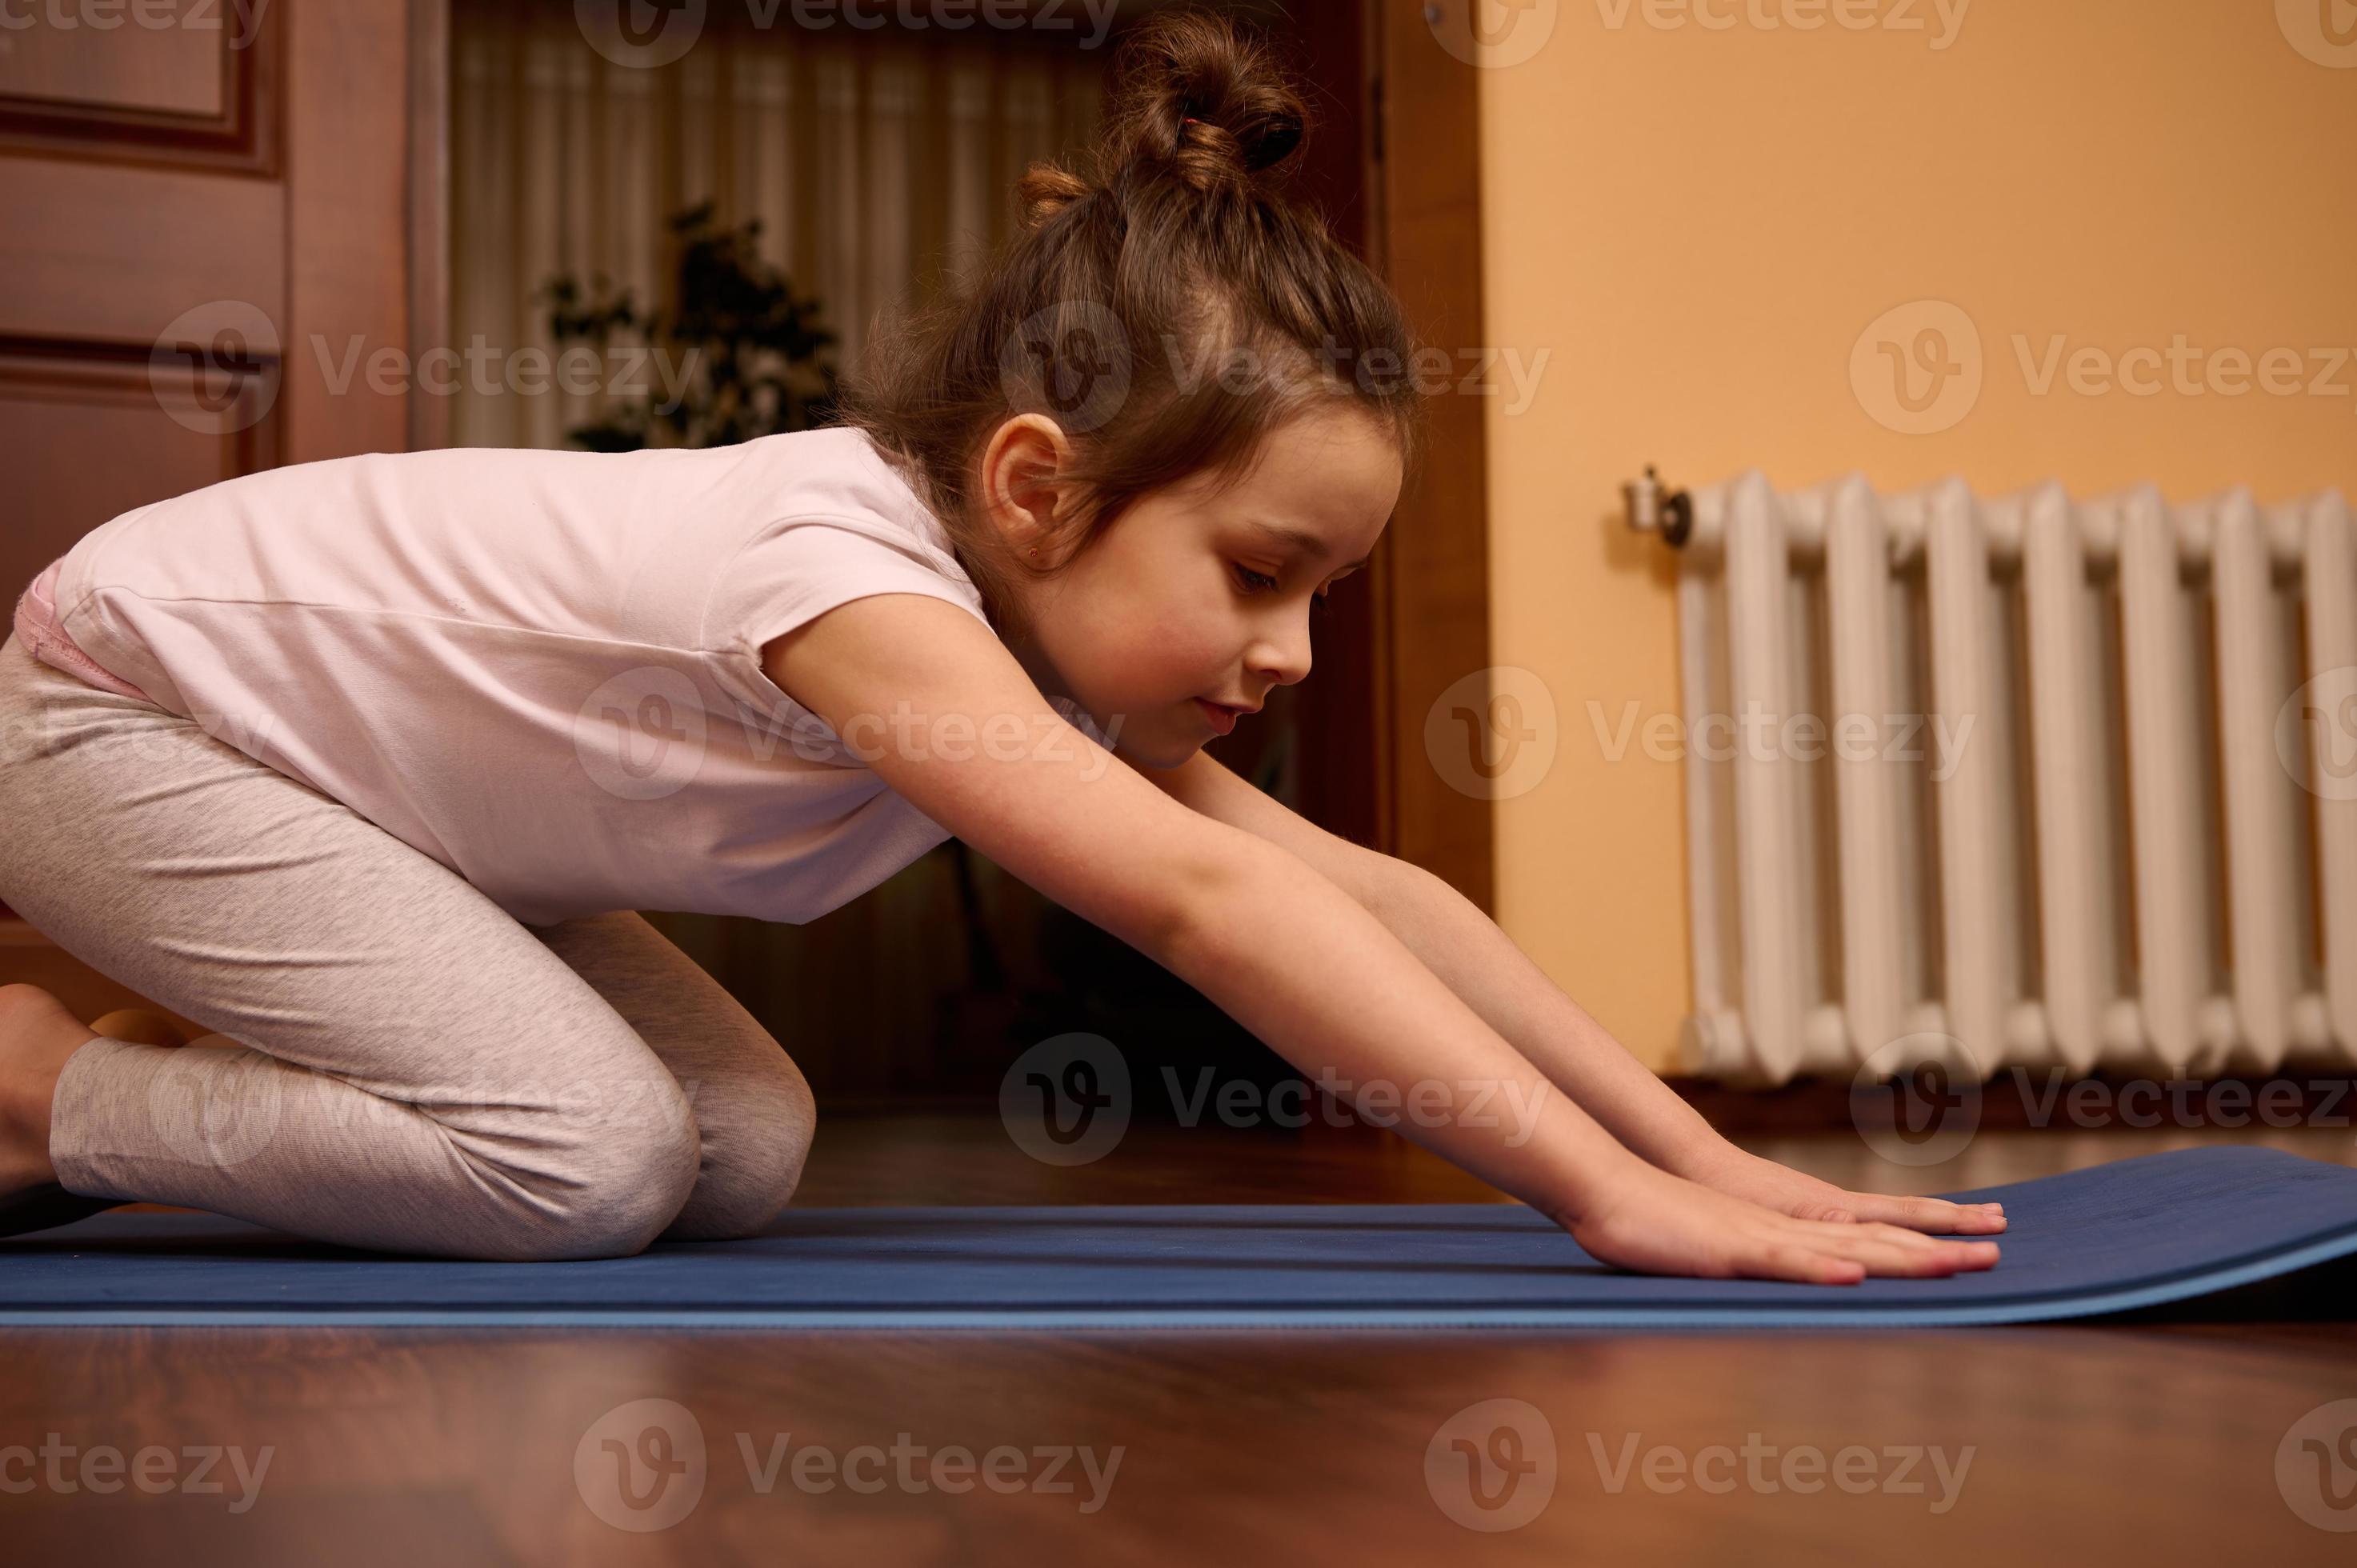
(1190, 595)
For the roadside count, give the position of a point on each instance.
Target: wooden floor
(2145, 1443)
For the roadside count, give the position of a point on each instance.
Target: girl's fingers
(1944, 1258)
(1933, 1214)
(1791, 1260)
(1891, 1249)
(1837, 1233)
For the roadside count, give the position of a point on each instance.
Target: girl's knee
(754, 1153)
(642, 1180)
(621, 1181)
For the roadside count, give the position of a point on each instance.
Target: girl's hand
(1739, 1173)
(1653, 1222)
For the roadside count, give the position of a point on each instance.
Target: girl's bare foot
(37, 1032)
(139, 1026)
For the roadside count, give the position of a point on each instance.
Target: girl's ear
(1022, 470)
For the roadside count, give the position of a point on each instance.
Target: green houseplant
(758, 360)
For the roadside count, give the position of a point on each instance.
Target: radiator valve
(1653, 511)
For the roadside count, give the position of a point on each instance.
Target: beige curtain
(872, 159)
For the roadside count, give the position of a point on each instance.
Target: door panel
(208, 218)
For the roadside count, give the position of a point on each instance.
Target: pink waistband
(37, 624)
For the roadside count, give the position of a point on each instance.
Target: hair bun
(1195, 97)
(1047, 190)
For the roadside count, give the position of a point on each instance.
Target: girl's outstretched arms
(1467, 950)
(1481, 964)
(919, 688)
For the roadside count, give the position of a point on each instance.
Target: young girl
(368, 763)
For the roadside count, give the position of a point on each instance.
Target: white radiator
(2123, 834)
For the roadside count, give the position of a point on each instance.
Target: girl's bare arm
(1476, 961)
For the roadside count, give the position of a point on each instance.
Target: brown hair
(1116, 305)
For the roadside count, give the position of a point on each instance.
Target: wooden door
(207, 221)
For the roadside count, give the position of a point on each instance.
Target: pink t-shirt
(541, 668)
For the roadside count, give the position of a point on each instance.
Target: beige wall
(1697, 225)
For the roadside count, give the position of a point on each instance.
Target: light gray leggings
(417, 1072)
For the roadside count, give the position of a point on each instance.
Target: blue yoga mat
(2133, 1234)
